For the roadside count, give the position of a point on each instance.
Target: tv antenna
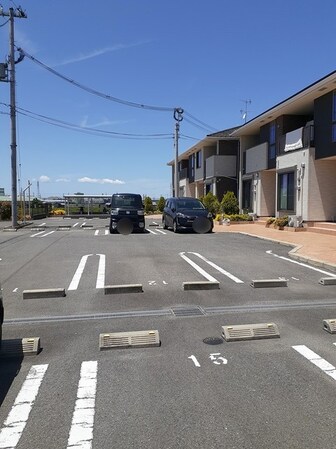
(244, 112)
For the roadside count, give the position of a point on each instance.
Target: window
(334, 118)
(247, 194)
(199, 159)
(286, 191)
(271, 148)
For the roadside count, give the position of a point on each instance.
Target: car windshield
(189, 204)
(132, 201)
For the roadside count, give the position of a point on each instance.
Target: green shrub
(5, 210)
(160, 204)
(281, 221)
(229, 204)
(239, 217)
(148, 204)
(211, 202)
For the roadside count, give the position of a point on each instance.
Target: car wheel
(175, 227)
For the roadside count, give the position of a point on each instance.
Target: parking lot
(185, 392)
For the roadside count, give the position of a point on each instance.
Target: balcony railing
(183, 174)
(297, 140)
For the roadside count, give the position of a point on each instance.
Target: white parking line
(221, 270)
(198, 268)
(76, 224)
(152, 232)
(162, 232)
(16, 421)
(81, 431)
(42, 224)
(77, 276)
(314, 358)
(38, 233)
(96, 232)
(101, 271)
(107, 232)
(48, 233)
(301, 263)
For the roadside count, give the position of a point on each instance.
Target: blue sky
(206, 57)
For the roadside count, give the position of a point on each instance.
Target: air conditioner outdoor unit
(294, 221)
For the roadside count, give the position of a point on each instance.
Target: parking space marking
(198, 268)
(16, 421)
(48, 233)
(76, 224)
(101, 271)
(42, 224)
(38, 233)
(161, 232)
(78, 274)
(81, 431)
(221, 270)
(152, 232)
(96, 232)
(301, 263)
(318, 361)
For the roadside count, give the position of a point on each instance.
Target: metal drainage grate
(328, 281)
(250, 331)
(187, 311)
(213, 340)
(330, 326)
(20, 347)
(264, 283)
(138, 339)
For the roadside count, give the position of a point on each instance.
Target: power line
(95, 92)
(67, 125)
(200, 121)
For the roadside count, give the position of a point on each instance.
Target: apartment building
(282, 162)
(288, 156)
(211, 165)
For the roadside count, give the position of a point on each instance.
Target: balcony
(221, 166)
(297, 140)
(183, 174)
(256, 158)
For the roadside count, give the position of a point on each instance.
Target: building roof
(301, 103)
(209, 139)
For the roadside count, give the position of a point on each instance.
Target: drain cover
(187, 311)
(20, 347)
(250, 331)
(213, 341)
(139, 339)
(330, 326)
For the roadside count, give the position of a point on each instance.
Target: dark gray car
(186, 213)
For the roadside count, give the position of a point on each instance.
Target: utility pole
(11, 14)
(178, 117)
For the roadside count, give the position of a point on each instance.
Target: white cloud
(100, 181)
(99, 52)
(62, 180)
(44, 178)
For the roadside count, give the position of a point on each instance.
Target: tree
(160, 204)
(229, 204)
(148, 204)
(211, 202)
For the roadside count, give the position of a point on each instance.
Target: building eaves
(301, 102)
(209, 139)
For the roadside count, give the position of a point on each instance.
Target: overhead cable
(88, 130)
(200, 121)
(95, 92)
